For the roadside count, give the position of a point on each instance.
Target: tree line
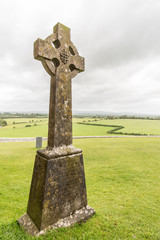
(6, 115)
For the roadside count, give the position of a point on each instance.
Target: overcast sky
(120, 40)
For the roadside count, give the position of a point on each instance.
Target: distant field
(122, 177)
(39, 127)
(142, 126)
(16, 127)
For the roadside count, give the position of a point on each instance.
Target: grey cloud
(119, 40)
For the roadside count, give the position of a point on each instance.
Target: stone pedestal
(58, 191)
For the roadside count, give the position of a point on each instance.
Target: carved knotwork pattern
(64, 56)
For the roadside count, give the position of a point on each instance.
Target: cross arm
(78, 63)
(44, 50)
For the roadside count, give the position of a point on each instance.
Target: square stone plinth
(77, 217)
(58, 193)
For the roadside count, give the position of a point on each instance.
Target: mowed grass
(19, 129)
(142, 126)
(89, 130)
(39, 127)
(122, 177)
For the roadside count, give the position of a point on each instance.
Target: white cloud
(119, 40)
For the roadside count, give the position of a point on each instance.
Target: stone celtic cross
(58, 195)
(61, 60)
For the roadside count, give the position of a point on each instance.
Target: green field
(39, 127)
(142, 126)
(122, 177)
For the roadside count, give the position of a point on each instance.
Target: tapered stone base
(58, 191)
(79, 216)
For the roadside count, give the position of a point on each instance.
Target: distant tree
(3, 123)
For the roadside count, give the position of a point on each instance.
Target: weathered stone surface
(38, 142)
(79, 216)
(61, 60)
(58, 191)
(59, 151)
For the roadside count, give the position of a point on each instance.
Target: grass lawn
(122, 177)
(142, 126)
(39, 127)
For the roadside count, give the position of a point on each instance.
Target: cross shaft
(61, 60)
